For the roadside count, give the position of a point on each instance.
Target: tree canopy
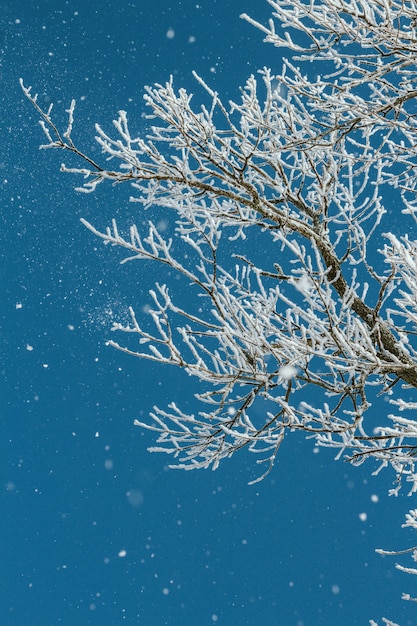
(292, 208)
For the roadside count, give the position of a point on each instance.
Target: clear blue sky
(93, 528)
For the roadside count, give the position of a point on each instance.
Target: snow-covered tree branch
(284, 203)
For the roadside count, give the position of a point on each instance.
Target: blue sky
(94, 529)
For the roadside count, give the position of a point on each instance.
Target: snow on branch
(301, 307)
(309, 161)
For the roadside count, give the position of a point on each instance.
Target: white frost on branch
(310, 161)
(284, 203)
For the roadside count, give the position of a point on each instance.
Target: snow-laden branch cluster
(284, 203)
(313, 158)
